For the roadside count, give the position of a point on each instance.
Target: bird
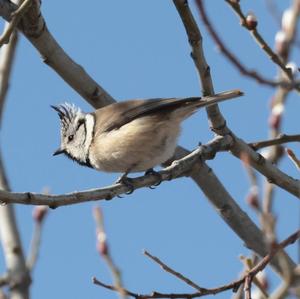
(129, 136)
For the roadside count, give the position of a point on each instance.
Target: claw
(155, 173)
(123, 179)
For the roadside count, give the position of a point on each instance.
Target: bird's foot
(155, 173)
(126, 181)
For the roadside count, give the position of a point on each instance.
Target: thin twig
(233, 59)
(247, 287)
(284, 47)
(103, 249)
(218, 125)
(253, 196)
(293, 157)
(175, 273)
(177, 169)
(247, 278)
(260, 40)
(281, 139)
(15, 19)
(19, 276)
(195, 39)
(6, 60)
(34, 247)
(248, 262)
(35, 29)
(39, 214)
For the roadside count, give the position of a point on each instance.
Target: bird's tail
(189, 106)
(219, 97)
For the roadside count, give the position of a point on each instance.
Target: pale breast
(136, 146)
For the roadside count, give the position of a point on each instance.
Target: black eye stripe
(80, 122)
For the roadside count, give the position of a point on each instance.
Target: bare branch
(281, 139)
(204, 176)
(195, 39)
(176, 169)
(39, 214)
(19, 278)
(173, 272)
(34, 28)
(248, 262)
(233, 59)
(260, 40)
(293, 157)
(7, 55)
(15, 19)
(247, 278)
(103, 249)
(265, 167)
(283, 45)
(239, 146)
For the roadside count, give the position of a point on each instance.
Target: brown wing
(116, 115)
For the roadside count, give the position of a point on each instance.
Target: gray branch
(35, 29)
(19, 279)
(214, 190)
(177, 169)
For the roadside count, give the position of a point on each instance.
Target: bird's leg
(155, 173)
(123, 179)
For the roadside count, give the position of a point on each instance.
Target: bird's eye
(70, 138)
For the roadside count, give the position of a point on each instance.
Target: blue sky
(137, 49)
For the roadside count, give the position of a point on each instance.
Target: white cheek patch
(90, 123)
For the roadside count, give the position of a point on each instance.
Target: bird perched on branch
(130, 136)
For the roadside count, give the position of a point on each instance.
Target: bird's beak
(58, 152)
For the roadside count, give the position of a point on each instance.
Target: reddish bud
(39, 213)
(251, 21)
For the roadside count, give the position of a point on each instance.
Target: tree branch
(178, 168)
(103, 249)
(203, 70)
(15, 19)
(7, 55)
(175, 273)
(248, 277)
(234, 60)
(38, 215)
(239, 147)
(19, 278)
(283, 138)
(34, 28)
(260, 40)
(212, 188)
